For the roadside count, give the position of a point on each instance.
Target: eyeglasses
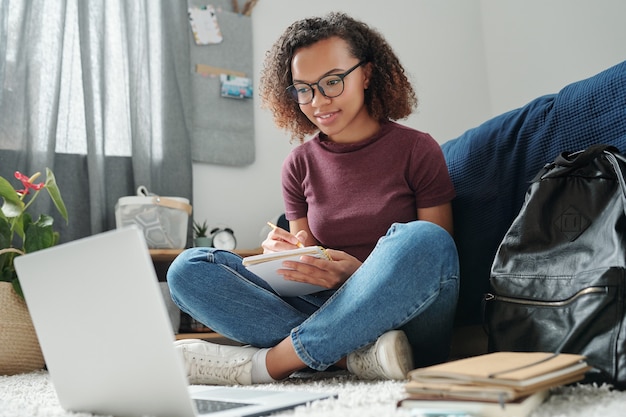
(330, 86)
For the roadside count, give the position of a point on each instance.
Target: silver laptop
(108, 341)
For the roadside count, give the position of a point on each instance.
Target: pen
(273, 226)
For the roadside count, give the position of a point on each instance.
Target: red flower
(26, 182)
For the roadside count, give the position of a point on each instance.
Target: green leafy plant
(19, 234)
(200, 230)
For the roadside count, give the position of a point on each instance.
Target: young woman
(375, 193)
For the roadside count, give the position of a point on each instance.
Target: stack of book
(502, 384)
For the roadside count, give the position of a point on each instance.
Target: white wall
(469, 60)
(536, 47)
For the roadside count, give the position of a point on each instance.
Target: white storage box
(164, 220)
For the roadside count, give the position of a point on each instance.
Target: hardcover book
(499, 376)
(521, 407)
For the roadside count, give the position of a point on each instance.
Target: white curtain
(98, 91)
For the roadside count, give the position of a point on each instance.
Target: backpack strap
(615, 158)
(582, 158)
(578, 159)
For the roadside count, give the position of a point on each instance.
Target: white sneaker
(390, 357)
(213, 364)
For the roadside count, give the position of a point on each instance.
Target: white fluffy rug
(32, 395)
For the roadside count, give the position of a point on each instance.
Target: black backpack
(558, 278)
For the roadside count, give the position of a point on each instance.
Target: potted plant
(20, 234)
(200, 234)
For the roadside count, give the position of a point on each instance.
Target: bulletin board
(222, 119)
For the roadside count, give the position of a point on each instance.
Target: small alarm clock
(223, 238)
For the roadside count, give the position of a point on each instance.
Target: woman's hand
(322, 272)
(280, 240)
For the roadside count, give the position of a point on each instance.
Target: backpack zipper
(524, 301)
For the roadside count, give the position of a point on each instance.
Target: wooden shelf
(168, 255)
(248, 252)
(164, 255)
(198, 335)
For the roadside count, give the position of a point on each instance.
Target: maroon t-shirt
(352, 193)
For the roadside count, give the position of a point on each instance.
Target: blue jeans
(410, 282)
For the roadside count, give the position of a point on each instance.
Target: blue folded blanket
(492, 164)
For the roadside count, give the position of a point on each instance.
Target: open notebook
(107, 339)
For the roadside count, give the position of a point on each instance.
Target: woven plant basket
(19, 347)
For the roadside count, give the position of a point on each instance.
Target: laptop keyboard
(211, 406)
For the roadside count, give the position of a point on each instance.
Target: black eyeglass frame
(293, 91)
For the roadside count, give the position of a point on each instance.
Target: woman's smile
(326, 118)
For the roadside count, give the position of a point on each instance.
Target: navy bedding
(491, 166)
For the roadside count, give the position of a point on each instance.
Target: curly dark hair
(390, 95)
